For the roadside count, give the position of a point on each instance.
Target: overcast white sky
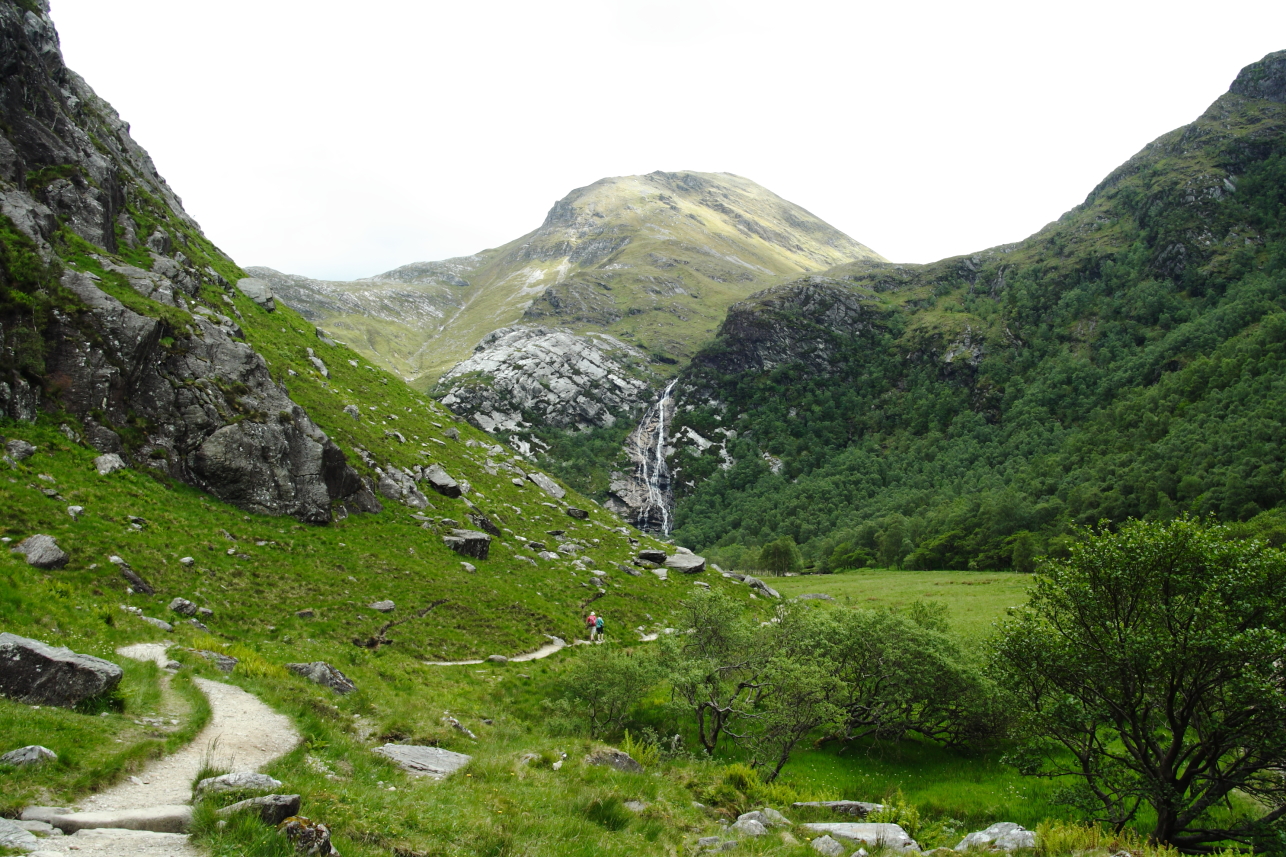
(342, 139)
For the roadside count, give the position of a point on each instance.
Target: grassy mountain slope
(1126, 360)
(654, 260)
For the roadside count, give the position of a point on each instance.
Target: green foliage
(646, 753)
(1147, 668)
(897, 810)
(603, 684)
(608, 811)
(781, 556)
(30, 294)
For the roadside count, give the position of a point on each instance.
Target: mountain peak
(1264, 79)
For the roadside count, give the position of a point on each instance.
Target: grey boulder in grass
(320, 672)
(35, 673)
(42, 551)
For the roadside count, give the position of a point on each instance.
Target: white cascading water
(653, 471)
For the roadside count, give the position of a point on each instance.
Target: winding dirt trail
(243, 735)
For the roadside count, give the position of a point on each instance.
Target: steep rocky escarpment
(116, 309)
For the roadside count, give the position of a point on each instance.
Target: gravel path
(554, 645)
(243, 735)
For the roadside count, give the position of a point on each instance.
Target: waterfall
(651, 471)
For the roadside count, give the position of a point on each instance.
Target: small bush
(898, 811)
(609, 812)
(645, 752)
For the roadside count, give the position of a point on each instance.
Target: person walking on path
(598, 626)
(591, 622)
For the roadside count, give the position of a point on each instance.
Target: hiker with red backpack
(592, 623)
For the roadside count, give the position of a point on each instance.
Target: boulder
(108, 463)
(1004, 836)
(15, 836)
(383, 606)
(138, 583)
(225, 663)
(159, 623)
(353, 412)
(766, 816)
(29, 756)
(324, 674)
(549, 486)
(859, 808)
(19, 450)
(441, 481)
(309, 837)
(749, 827)
(247, 781)
(686, 563)
(259, 291)
(828, 847)
(38, 674)
(306, 614)
(42, 551)
(614, 758)
(484, 523)
(579, 514)
(652, 556)
(451, 433)
(497, 659)
(424, 761)
(761, 586)
(167, 818)
(187, 561)
(272, 809)
(183, 606)
(884, 835)
(469, 543)
(661, 573)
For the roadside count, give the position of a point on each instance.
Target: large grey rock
(175, 818)
(259, 291)
(399, 485)
(767, 816)
(42, 551)
(183, 607)
(549, 486)
(29, 756)
(271, 809)
(225, 663)
(859, 808)
(324, 674)
(686, 563)
(19, 450)
(1003, 836)
(441, 481)
(14, 835)
(828, 847)
(618, 759)
(38, 674)
(579, 514)
(384, 606)
(749, 827)
(425, 761)
(109, 463)
(236, 782)
(756, 583)
(653, 556)
(469, 543)
(883, 835)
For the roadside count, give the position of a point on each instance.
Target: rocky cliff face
(117, 310)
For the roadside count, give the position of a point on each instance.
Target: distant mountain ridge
(653, 260)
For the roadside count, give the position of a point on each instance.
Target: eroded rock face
(38, 674)
(324, 674)
(565, 379)
(469, 543)
(210, 413)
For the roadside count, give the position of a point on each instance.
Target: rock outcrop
(38, 674)
(42, 551)
(424, 761)
(324, 674)
(147, 350)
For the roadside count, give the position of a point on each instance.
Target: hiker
(591, 622)
(598, 626)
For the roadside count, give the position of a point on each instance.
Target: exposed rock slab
(271, 809)
(324, 674)
(549, 486)
(13, 835)
(873, 834)
(39, 674)
(1003, 836)
(259, 291)
(29, 756)
(686, 563)
(175, 818)
(236, 782)
(425, 761)
(42, 551)
(469, 543)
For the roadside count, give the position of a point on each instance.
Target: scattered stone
(425, 761)
(171, 818)
(187, 561)
(814, 596)
(652, 556)
(183, 606)
(173, 665)
(549, 486)
(497, 659)
(482, 522)
(259, 291)
(224, 663)
(352, 411)
(309, 837)
(469, 543)
(305, 614)
(383, 606)
(579, 514)
(457, 725)
(469, 567)
(661, 573)
(761, 586)
(324, 674)
(441, 481)
(749, 827)
(75, 512)
(686, 563)
(19, 450)
(205, 612)
(199, 625)
(38, 674)
(109, 463)
(29, 756)
(452, 433)
(614, 758)
(766, 816)
(139, 584)
(42, 551)
(159, 623)
(635, 805)
(537, 546)
(241, 781)
(859, 808)
(13, 835)
(317, 363)
(1004, 835)
(884, 835)
(273, 809)
(518, 483)
(827, 846)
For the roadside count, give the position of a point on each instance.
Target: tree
(604, 684)
(1149, 666)
(781, 556)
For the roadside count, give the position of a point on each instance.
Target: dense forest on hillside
(1134, 365)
